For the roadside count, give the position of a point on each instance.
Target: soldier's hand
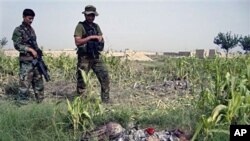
(97, 37)
(34, 53)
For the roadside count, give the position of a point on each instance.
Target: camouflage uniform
(28, 74)
(86, 62)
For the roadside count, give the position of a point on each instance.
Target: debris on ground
(115, 132)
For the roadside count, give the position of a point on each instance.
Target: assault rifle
(42, 67)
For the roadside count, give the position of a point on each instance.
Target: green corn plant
(182, 65)
(83, 109)
(78, 115)
(156, 74)
(235, 101)
(236, 106)
(206, 101)
(248, 76)
(218, 79)
(208, 125)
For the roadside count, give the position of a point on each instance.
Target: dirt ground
(166, 90)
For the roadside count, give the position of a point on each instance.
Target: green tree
(245, 43)
(3, 42)
(226, 41)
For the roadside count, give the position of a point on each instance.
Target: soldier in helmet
(89, 42)
(28, 74)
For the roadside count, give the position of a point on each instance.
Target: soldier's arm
(79, 31)
(17, 40)
(19, 46)
(81, 41)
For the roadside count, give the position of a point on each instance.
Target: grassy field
(202, 97)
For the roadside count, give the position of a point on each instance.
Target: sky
(141, 25)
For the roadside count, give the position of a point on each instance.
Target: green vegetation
(218, 95)
(245, 43)
(3, 42)
(226, 41)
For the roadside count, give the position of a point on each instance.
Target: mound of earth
(138, 56)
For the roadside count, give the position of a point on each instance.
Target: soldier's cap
(90, 9)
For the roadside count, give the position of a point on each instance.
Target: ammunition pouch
(100, 46)
(82, 50)
(92, 49)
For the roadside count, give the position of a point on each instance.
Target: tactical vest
(90, 30)
(93, 47)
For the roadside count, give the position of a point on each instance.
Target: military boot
(39, 97)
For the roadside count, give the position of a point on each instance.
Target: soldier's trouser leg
(25, 79)
(82, 64)
(29, 76)
(101, 72)
(38, 85)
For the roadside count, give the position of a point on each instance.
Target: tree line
(3, 42)
(226, 41)
(229, 41)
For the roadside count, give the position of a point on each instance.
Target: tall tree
(245, 43)
(226, 41)
(3, 42)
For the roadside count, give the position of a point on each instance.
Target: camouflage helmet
(90, 9)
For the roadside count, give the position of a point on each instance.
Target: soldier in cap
(28, 74)
(89, 42)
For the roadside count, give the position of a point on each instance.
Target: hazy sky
(150, 25)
